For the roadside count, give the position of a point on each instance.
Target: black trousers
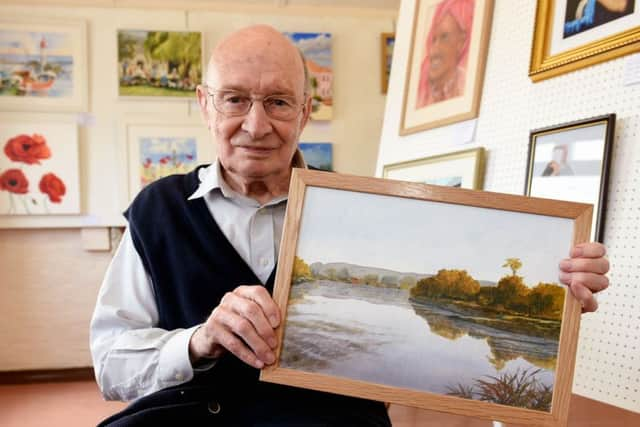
(274, 405)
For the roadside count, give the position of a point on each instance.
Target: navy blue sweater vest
(192, 265)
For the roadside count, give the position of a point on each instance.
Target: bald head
(263, 49)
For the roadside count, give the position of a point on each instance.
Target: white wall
(608, 361)
(358, 103)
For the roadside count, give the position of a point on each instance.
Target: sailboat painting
(42, 67)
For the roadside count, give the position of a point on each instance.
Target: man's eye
(235, 99)
(279, 102)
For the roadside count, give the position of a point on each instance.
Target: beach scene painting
(428, 296)
(42, 67)
(316, 48)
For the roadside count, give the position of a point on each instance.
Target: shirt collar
(211, 178)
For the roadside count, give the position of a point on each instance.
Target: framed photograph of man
(462, 169)
(447, 58)
(571, 162)
(428, 296)
(573, 34)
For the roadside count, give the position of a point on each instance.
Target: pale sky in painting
(422, 237)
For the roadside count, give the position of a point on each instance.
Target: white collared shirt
(132, 357)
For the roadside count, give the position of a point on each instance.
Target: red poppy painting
(39, 169)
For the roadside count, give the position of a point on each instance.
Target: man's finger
(588, 250)
(590, 281)
(235, 345)
(261, 296)
(252, 311)
(588, 265)
(586, 298)
(244, 329)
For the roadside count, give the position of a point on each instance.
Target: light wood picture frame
(447, 58)
(463, 169)
(43, 65)
(571, 161)
(344, 239)
(387, 43)
(568, 36)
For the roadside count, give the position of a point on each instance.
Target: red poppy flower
(53, 187)
(27, 149)
(164, 160)
(14, 181)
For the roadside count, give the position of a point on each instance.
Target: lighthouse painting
(42, 67)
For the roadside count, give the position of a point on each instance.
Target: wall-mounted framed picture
(571, 161)
(39, 168)
(428, 296)
(164, 64)
(445, 72)
(573, 34)
(317, 51)
(43, 65)
(387, 42)
(158, 150)
(463, 169)
(318, 154)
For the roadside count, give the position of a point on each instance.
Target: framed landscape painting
(573, 34)
(571, 161)
(159, 63)
(316, 48)
(318, 154)
(387, 43)
(39, 169)
(463, 169)
(156, 151)
(447, 58)
(43, 65)
(428, 296)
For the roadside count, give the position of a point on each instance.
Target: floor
(73, 404)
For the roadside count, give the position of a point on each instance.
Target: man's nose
(257, 123)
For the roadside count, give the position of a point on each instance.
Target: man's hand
(584, 273)
(243, 324)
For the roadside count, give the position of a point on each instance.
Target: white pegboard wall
(608, 359)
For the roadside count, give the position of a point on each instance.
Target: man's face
(254, 145)
(446, 47)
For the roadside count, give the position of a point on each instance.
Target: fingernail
(270, 358)
(565, 277)
(274, 321)
(578, 251)
(565, 265)
(259, 364)
(273, 343)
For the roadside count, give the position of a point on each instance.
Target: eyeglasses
(233, 103)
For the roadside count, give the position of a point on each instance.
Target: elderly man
(184, 318)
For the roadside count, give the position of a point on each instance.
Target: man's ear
(203, 101)
(307, 114)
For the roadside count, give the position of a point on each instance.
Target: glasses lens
(232, 103)
(280, 107)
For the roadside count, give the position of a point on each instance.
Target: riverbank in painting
(383, 334)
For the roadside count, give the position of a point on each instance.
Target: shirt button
(264, 262)
(179, 376)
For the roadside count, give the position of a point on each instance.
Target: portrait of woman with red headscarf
(443, 68)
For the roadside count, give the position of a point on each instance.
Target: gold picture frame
(463, 169)
(450, 91)
(387, 42)
(551, 56)
(344, 331)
